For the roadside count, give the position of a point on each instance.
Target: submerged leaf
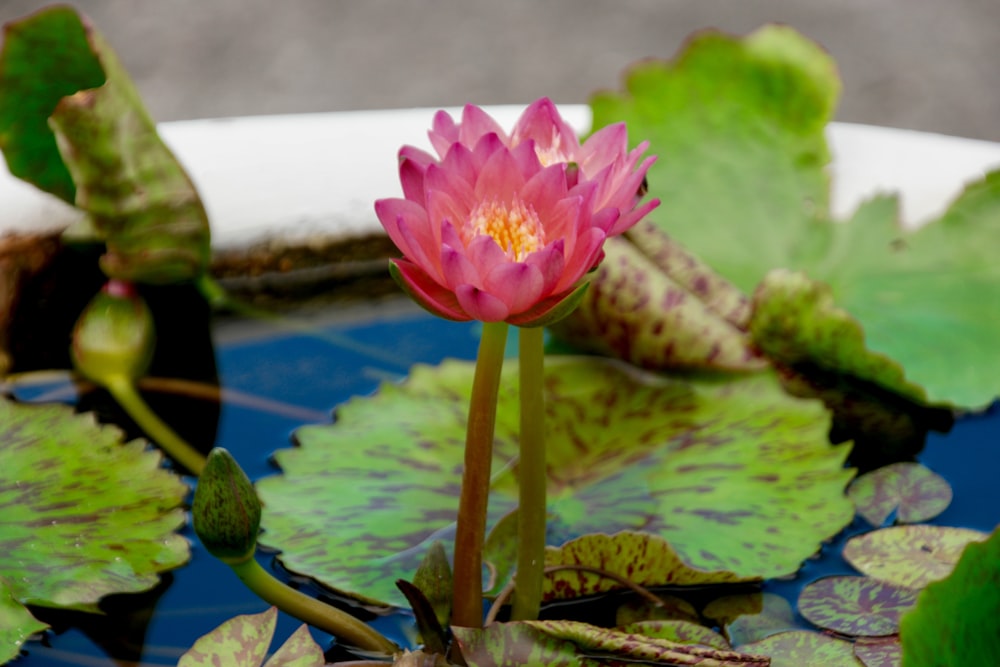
(669, 608)
(750, 617)
(84, 515)
(734, 475)
(912, 491)
(958, 617)
(855, 606)
(909, 556)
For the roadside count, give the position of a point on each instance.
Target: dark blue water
(357, 350)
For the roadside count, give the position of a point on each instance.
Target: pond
(352, 349)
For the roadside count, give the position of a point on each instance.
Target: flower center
(516, 228)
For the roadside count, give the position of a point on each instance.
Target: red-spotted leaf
(682, 632)
(855, 606)
(16, 624)
(879, 651)
(750, 617)
(801, 648)
(556, 643)
(913, 492)
(958, 617)
(909, 556)
(735, 475)
(243, 641)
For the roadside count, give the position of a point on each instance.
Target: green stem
(470, 531)
(531, 476)
(309, 610)
(123, 390)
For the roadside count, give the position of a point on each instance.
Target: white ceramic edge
(295, 177)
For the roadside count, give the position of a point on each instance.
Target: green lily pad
(879, 651)
(750, 617)
(682, 632)
(568, 643)
(243, 641)
(912, 491)
(958, 617)
(735, 475)
(801, 648)
(139, 199)
(855, 606)
(16, 624)
(909, 556)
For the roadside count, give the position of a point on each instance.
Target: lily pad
(669, 608)
(735, 475)
(855, 606)
(750, 617)
(243, 641)
(572, 643)
(879, 651)
(911, 490)
(958, 617)
(682, 632)
(16, 624)
(909, 556)
(801, 648)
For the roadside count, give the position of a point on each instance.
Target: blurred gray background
(921, 64)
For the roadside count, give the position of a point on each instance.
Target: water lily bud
(226, 510)
(114, 336)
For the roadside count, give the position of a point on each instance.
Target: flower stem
(309, 610)
(470, 532)
(531, 477)
(123, 390)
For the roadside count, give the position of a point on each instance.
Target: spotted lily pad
(750, 617)
(243, 641)
(855, 606)
(958, 617)
(553, 643)
(84, 515)
(879, 651)
(801, 648)
(734, 475)
(682, 632)
(910, 556)
(912, 491)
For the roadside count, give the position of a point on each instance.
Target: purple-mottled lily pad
(734, 475)
(669, 608)
(910, 556)
(912, 491)
(958, 617)
(243, 641)
(16, 624)
(84, 515)
(802, 648)
(569, 642)
(879, 651)
(856, 606)
(682, 632)
(750, 617)
(72, 122)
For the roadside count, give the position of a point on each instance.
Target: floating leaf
(734, 475)
(912, 491)
(140, 200)
(855, 606)
(750, 617)
(16, 624)
(243, 641)
(801, 648)
(958, 617)
(682, 632)
(83, 515)
(879, 651)
(910, 556)
(568, 642)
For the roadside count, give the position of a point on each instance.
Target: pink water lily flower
(503, 228)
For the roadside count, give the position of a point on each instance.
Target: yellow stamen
(515, 227)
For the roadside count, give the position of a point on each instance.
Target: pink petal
(422, 289)
(602, 148)
(475, 124)
(391, 211)
(442, 207)
(519, 285)
(487, 145)
(588, 250)
(444, 132)
(500, 178)
(628, 220)
(526, 158)
(485, 254)
(550, 263)
(563, 221)
(411, 176)
(461, 191)
(456, 269)
(545, 189)
(481, 305)
(542, 124)
(425, 248)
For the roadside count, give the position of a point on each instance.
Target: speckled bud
(114, 336)
(226, 510)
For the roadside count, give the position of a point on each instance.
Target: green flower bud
(114, 336)
(226, 510)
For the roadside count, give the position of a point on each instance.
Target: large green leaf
(957, 620)
(140, 200)
(84, 515)
(734, 474)
(16, 624)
